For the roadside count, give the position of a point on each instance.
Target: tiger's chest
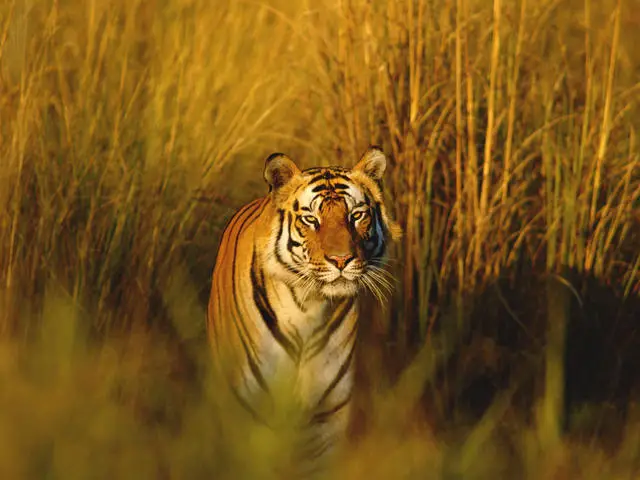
(315, 360)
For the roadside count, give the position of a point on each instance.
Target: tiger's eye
(310, 220)
(357, 215)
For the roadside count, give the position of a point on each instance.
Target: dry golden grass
(130, 130)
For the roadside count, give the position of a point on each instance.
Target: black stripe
(226, 233)
(328, 175)
(341, 186)
(334, 168)
(297, 338)
(346, 194)
(296, 227)
(225, 372)
(344, 368)
(247, 406)
(240, 329)
(255, 370)
(378, 210)
(250, 355)
(323, 176)
(326, 199)
(343, 177)
(296, 300)
(230, 381)
(250, 217)
(279, 258)
(238, 320)
(243, 215)
(291, 224)
(291, 243)
(381, 245)
(314, 451)
(268, 315)
(323, 415)
(350, 336)
(313, 200)
(210, 321)
(337, 319)
(253, 205)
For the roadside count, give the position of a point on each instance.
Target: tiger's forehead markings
(329, 187)
(326, 173)
(329, 176)
(331, 195)
(316, 170)
(325, 183)
(320, 188)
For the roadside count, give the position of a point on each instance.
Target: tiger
(285, 289)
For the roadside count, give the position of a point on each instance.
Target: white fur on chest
(320, 356)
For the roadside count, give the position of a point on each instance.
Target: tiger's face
(333, 228)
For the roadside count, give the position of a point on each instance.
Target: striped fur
(284, 292)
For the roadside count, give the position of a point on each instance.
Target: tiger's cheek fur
(364, 231)
(316, 254)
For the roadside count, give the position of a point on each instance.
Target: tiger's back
(228, 289)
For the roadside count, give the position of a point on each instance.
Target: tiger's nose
(340, 261)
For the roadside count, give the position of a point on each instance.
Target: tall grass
(119, 120)
(130, 131)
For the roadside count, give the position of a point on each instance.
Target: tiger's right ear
(279, 170)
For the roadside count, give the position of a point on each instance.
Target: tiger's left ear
(278, 170)
(373, 162)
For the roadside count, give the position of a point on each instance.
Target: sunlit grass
(130, 131)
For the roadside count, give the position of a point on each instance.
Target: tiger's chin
(340, 287)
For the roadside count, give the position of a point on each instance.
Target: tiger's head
(333, 228)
